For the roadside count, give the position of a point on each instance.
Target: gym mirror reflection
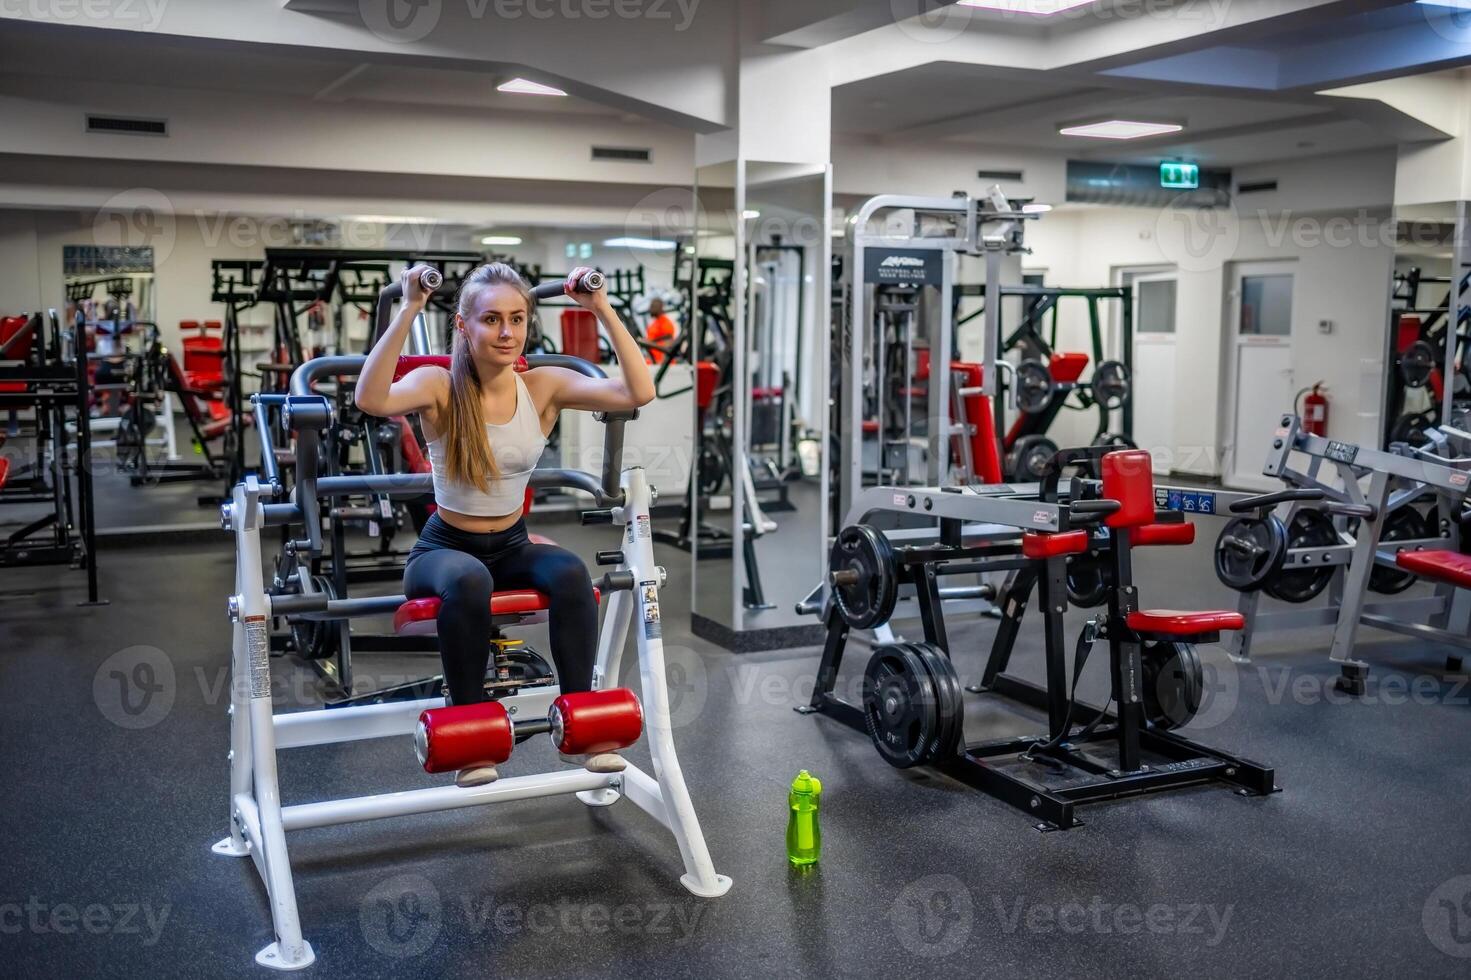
(762, 281)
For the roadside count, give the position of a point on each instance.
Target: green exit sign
(1179, 176)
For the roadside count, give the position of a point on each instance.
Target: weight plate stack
(1027, 461)
(949, 700)
(1111, 383)
(1033, 387)
(1307, 529)
(1174, 682)
(1250, 552)
(864, 576)
(1088, 580)
(899, 708)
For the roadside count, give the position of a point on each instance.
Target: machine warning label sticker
(1460, 479)
(1189, 501)
(643, 526)
(648, 600)
(899, 499)
(258, 642)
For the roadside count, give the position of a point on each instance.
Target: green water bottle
(804, 839)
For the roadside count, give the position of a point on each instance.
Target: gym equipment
(862, 574)
(1354, 526)
(43, 372)
(1428, 381)
(259, 820)
(913, 706)
(1249, 551)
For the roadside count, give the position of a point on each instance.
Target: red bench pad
(1441, 566)
(416, 617)
(1151, 534)
(1173, 622)
(1036, 545)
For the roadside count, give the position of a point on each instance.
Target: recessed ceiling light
(1120, 129)
(501, 240)
(1036, 208)
(524, 86)
(1035, 8)
(750, 214)
(651, 244)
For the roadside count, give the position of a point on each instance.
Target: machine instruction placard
(258, 642)
(648, 602)
(911, 266)
(1187, 501)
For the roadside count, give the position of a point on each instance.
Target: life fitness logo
(901, 262)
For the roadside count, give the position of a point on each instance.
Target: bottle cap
(806, 783)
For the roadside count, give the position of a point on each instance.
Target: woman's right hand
(413, 290)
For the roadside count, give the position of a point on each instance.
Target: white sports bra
(517, 446)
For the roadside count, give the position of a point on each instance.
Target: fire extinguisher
(1314, 411)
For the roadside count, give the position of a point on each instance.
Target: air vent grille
(623, 154)
(1256, 186)
(1012, 176)
(127, 126)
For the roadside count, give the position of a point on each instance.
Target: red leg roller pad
(462, 736)
(589, 722)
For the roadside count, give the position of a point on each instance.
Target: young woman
(486, 426)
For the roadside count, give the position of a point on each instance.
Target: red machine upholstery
(1066, 368)
(464, 735)
(1036, 545)
(515, 606)
(580, 334)
(1173, 622)
(707, 376)
(1441, 566)
(983, 454)
(204, 354)
(410, 362)
(9, 327)
(4, 471)
(1150, 534)
(588, 722)
(1128, 477)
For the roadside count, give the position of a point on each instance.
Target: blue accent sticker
(1207, 503)
(1176, 501)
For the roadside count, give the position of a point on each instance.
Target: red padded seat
(1152, 534)
(1036, 545)
(1440, 566)
(4, 471)
(1173, 622)
(416, 617)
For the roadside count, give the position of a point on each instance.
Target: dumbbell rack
(258, 818)
(1335, 473)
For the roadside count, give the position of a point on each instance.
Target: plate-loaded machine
(1300, 550)
(258, 818)
(912, 704)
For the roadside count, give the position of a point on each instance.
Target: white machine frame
(258, 818)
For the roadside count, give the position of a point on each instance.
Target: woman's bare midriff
(471, 524)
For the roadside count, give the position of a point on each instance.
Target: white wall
(1343, 257)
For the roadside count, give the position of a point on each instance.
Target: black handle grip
(1366, 511)
(609, 558)
(1101, 508)
(597, 517)
(1265, 500)
(590, 282)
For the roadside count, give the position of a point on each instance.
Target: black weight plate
(1174, 683)
(868, 601)
(1027, 461)
(949, 699)
(1250, 551)
(1307, 529)
(1410, 429)
(1088, 581)
(316, 639)
(899, 706)
(1404, 524)
(1111, 383)
(1416, 364)
(1033, 386)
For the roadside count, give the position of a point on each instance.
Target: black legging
(459, 568)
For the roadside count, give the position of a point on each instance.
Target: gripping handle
(590, 282)
(1266, 500)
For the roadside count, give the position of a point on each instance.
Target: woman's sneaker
(476, 776)
(597, 762)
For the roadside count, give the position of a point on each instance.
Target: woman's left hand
(595, 300)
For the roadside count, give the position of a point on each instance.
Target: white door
(1154, 367)
(1262, 381)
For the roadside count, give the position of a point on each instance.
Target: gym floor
(116, 787)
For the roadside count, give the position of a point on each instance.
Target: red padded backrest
(9, 327)
(1067, 368)
(580, 334)
(410, 362)
(979, 413)
(707, 375)
(1128, 477)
